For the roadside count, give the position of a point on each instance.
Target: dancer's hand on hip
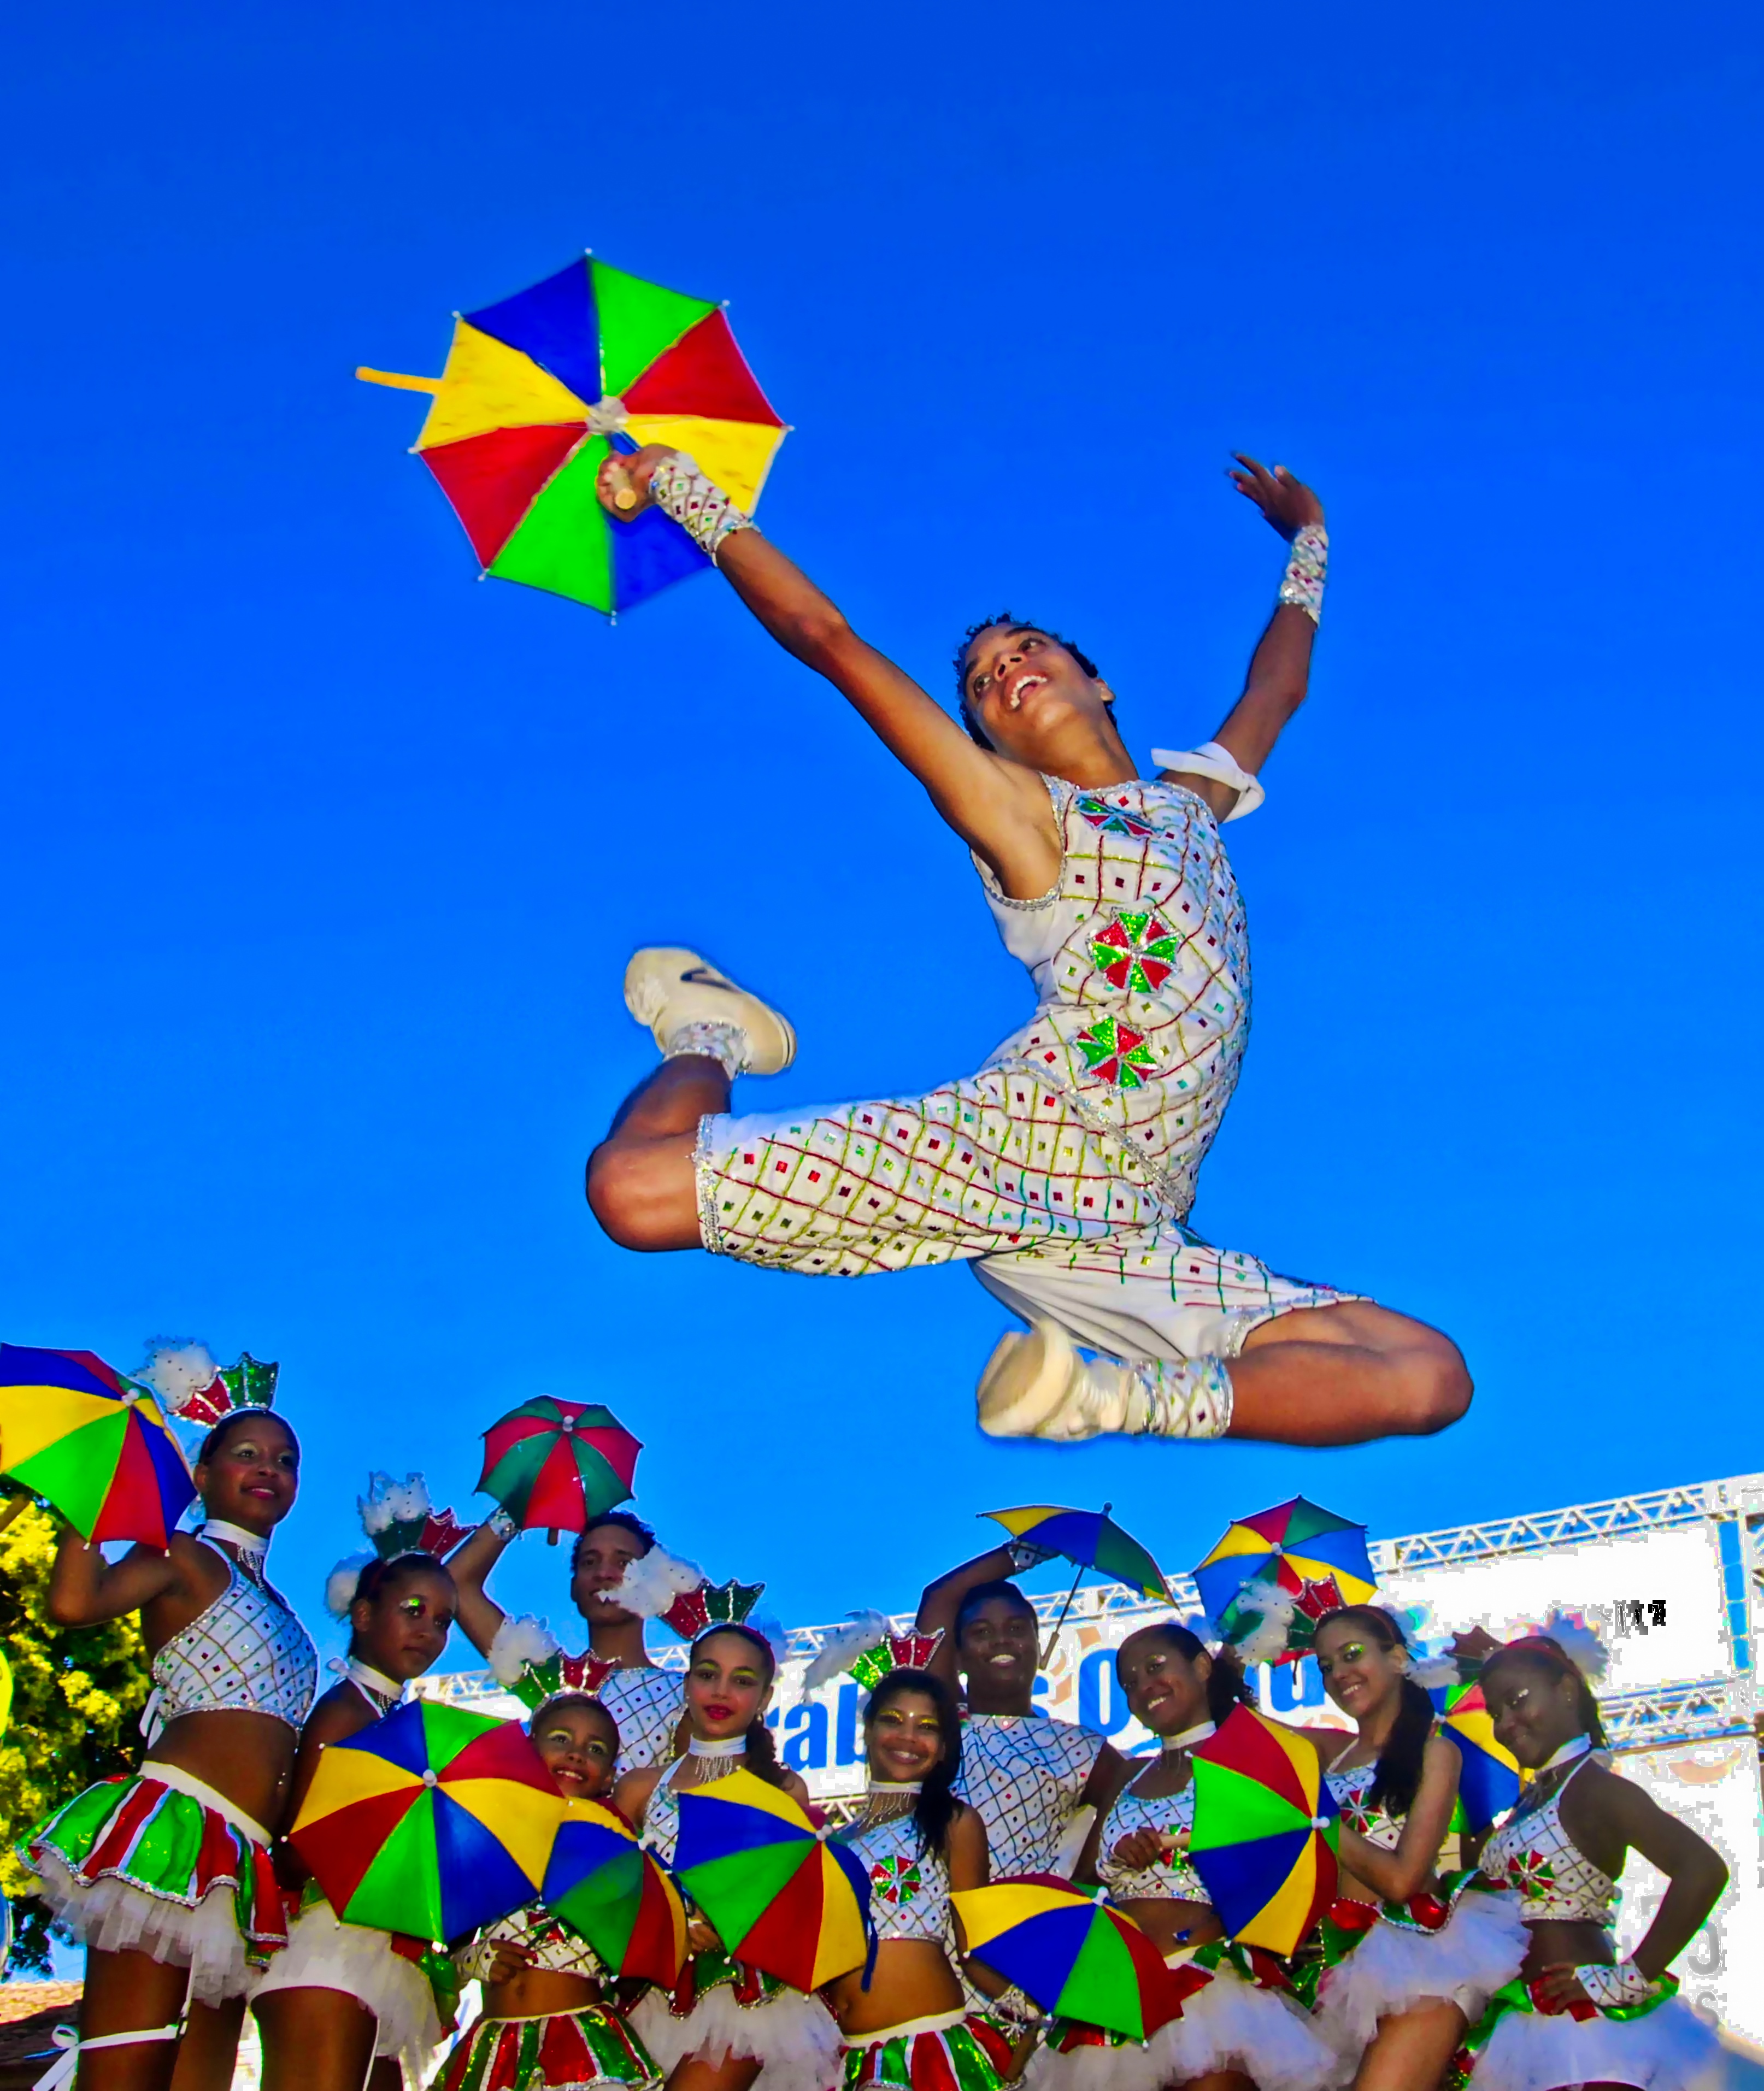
(622, 482)
(1287, 503)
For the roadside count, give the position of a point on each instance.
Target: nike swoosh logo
(699, 977)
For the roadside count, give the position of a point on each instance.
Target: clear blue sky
(321, 862)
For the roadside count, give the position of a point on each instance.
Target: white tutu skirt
(795, 2037)
(325, 1953)
(115, 1916)
(1482, 1945)
(1669, 2049)
(1230, 2024)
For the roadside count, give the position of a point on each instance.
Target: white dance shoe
(1037, 1385)
(671, 990)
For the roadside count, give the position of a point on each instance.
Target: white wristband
(703, 511)
(1301, 585)
(1609, 1987)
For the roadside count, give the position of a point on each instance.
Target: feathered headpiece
(525, 1658)
(397, 1518)
(706, 1605)
(193, 1387)
(1575, 1641)
(654, 1583)
(869, 1650)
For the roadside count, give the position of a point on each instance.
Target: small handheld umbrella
(1088, 1539)
(1319, 1560)
(1265, 1832)
(97, 1446)
(433, 1821)
(1488, 1778)
(780, 1897)
(555, 1465)
(600, 1881)
(1073, 1956)
(540, 387)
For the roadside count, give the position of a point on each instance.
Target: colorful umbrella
(1319, 1559)
(780, 1898)
(1265, 1830)
(1090, 1539)
(539, 387)
(433, 1821)
(555, 1465)
(600, 1881)
(1073, 1956)
(1489, 1779)
(97, 1447)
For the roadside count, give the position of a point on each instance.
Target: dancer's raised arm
(997, 806)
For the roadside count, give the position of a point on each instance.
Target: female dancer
(1030, 1776)
(165, 1877)
(1420, 1968)
(727, 2022)
(1066, 1168)
(1243, 2029)
(643, 1698)
(1581, 2016)
(910, 2027)
(549, 2023)
(343, 2000)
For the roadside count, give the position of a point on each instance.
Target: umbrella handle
(551, 1536)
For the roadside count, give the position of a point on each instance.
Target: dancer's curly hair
(1016, 624)
(761, 1754)
(1398, 1777)
(936, 1806)
(626, 1520)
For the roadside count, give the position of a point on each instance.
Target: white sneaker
(667, 988)
(1037, 1385)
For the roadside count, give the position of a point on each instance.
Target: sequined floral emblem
(1135, 951)
(1362, 1821)
(1532, 1873)
(895, 1880)
(1115, 1052)
(1111, 820)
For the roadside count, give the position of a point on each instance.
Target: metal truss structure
(1688, 1710)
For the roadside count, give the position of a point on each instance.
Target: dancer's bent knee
(642, 1194)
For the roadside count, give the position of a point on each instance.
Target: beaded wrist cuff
(502, 1524)
(1302, 584)
(1608, 1987)
(1022, 1555)
(705, 512)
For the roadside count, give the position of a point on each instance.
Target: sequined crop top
(1352, 1792)
(1171, 1878)
(246, 1653)
(908, 1888)
(1556, 1882)
(556, 1949)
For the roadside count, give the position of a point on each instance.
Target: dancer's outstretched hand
(622, 482)
(1289, 503)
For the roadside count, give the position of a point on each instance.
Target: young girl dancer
(549, 2022)
(726, 2022)
(1065, 1169)
(1423, 1967)
(643, 1698)
(1581, 2016)
(343, 2000)
(165, 1877)
(1243, 2029)
(911, 2029)
(1030, 1776)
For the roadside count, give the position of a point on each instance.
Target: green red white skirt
(160, 1863)
(954, 2051)
(724, 2008)
(1458, 1948)
(567, 2051)
(386, 1973)
(1658, 2045)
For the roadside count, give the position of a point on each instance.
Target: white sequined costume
(1066, 1167)
(1024, 1775)
(646, 1703)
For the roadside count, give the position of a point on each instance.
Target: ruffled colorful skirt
(1227, 2022)
(325, 1953)
(722, 2008)
(1663, 2047)
(567, 2051)
(954, 2051)
(1457, 1950)
(160, 1863)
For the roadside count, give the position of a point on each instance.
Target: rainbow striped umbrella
(1088, 1539)
(556, 1465)
(1297, 1547)
(1488, 1778)
(1071, 1954)
(602, 1883)
(97, 1446)
(432, 1822)
(1265, 1832)
(539, 388)
(780, 1898)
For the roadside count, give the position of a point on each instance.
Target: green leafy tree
(77, 1694)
